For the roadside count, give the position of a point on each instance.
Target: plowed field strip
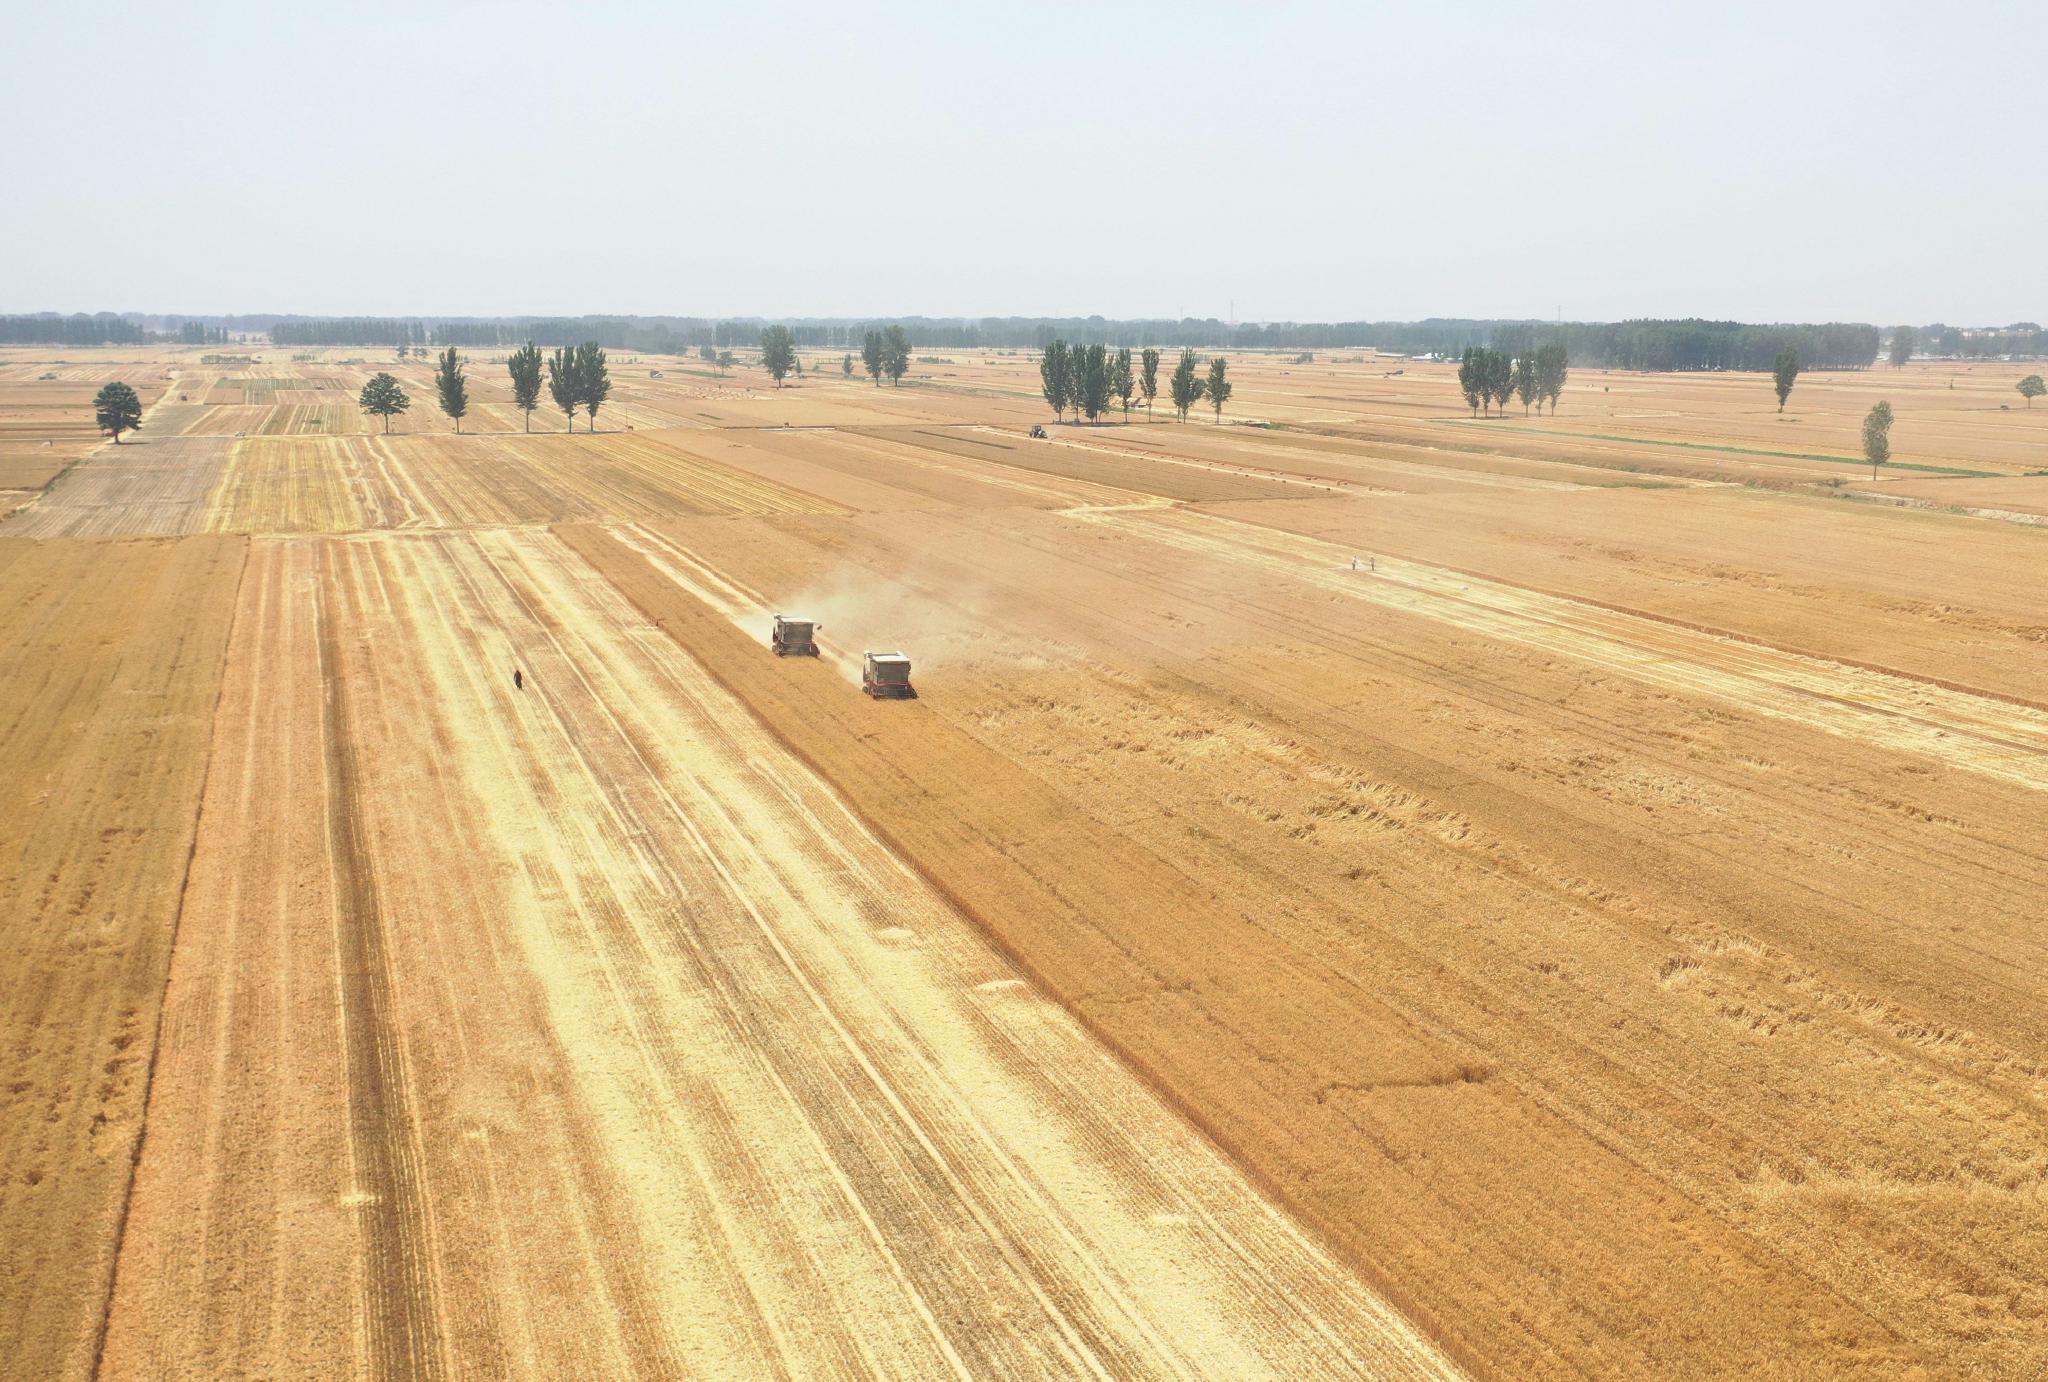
(110, 665)
(1975, 732)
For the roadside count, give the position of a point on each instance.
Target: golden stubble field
(1373, 891)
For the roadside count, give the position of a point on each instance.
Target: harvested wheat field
(1373, 893)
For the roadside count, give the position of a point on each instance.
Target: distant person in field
(518, 680)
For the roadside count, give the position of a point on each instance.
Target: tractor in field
(886, 676)
(794, 637)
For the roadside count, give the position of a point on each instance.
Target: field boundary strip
(1496, 426)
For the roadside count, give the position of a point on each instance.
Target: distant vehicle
(1038, 432)
(794, 637)
(886, 676)
(46, 376)
(654, 374)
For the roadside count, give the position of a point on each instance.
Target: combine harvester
(794, 637)
(886, 676)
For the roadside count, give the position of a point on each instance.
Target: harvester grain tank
(794, 637)
(886, 676)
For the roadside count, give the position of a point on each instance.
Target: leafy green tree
(1904, 339)
(383, 397)
(1472, 379)
(874, 356)
(117, 409)
(896, 354)
(709, 355)
(562, 385)
(2031, 388)
(778, 352)
(725, 362)
(1219, 386)
(1500, 379)
(453, 388)
(1052, 377)
(1525, 379)
(524, 367)
(593, 380)
(1784, 370)
(1121, 382)
(1186, 385)
(1552, 367)
(1091, 374)
(1148, 378)
(846, 366)
(1877, 437)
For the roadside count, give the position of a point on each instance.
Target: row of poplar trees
(576, 377)
(1091, 378)
(1489, 378)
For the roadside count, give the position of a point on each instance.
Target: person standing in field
(518, 680)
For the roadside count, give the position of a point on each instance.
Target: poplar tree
(524, 367)
(873, 356)
(453, 388)
(778, 352)
(1552, 366)
(1525, 379)
(896, 354)
(1121, 382)
(1219, 386)
(1500, 378)
(562, 385)
(1784, 370)
(1877, 437)
(1092, 374)
(1472, 379)
(1052, 377)
(117, 409)
(1148, 377)
(1187, 385)
(593, 380)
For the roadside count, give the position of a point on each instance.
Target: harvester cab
(886, 676)
(794, 637)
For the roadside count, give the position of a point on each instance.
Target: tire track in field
(1977, 733)
(402, 1318)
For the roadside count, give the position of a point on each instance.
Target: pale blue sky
(1872, 161)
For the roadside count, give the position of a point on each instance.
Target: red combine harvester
(886, 676)
(794, 638)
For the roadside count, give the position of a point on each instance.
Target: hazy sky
(1873, 161)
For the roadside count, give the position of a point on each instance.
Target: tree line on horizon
(1656, 344)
